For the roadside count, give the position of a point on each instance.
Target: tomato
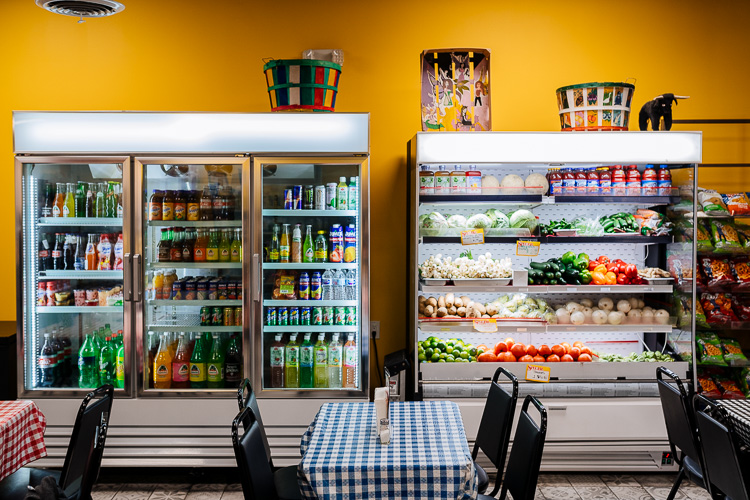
(526, 359)
(603, 259)
(566, 358)
(488, 357)
(539, 359)
(558, 350)
(577, 343)
(509, 342)
(584, 358)
(575, 352)
(585, 350)
(544, 350)
(500, 347)
(553, 358)
(518, 350)
(509, 358)
(531, 350)
(566, 346)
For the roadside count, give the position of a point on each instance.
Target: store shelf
(79, 310)
(310, 265)
(193, 328)
(81, 275)
(619, 238)
(79, 221)
(504, 327)
(592, 289)
(196, 223)
(627, 328)
(311, 328)
(494, 199)
(309, 213)
(195, 303)
(487, 239)
(597, 198)
(310, 303)
(196, 265)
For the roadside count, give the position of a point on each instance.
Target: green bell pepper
(583, 256)
(581, 263)
(585, 277)
(568, 258)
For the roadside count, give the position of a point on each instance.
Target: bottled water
(351, 285)
(326, 284)
(339, 285)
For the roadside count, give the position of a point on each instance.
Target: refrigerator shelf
(195, 328)
(311, 303)
(196, 223)
(311, 328)
(79, 309)
(195, 303)
(196, 265)
(510, 326)
(309, 213)
(79, 221)
(442, 289)
(81, 275)
(310, 265)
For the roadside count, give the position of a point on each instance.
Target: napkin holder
(382, 414)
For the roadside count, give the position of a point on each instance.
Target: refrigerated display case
(604, 414)
(196, 309)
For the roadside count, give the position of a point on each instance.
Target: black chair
(493, 435)
(283, 475)
(83, 458)
(725, 470)
(258, 481)
(526, 454)
(681, 429)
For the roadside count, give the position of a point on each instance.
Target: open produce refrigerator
(148, 263)
(570, 289)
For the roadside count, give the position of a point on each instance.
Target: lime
(422, 356)
(434, 357)
(441, 346)
(464, 355)
(458, 348)
(441, 361)
(449, 359)
(442, 355)
(473, 352)
(428, 352)
(449, 349)
(433, 344)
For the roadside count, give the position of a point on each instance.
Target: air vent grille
(82, 8)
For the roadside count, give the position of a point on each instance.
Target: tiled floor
(550, 487)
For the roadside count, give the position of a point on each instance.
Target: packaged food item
(732, 351)
(711, 203)
(736, 203)
(724, 237)
(703, 238)
(718, 272)
(708, 388)
(741, 271)
(744, 234)
(700, 316)
(709, 349)
(718, 308)
(744, 380)
(729, 388)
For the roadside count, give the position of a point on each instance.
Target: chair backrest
(525, 459)
(249, 399)
(84, 456)
(493, 435)
(678, 416)
(256, 475)
(721, 452)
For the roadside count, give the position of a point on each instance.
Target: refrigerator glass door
(310, 243)
(73, 246)
(190, 236)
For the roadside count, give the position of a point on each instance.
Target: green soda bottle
(225, 246)
(215, 369)
(308, 250)
(320, 362)
(291, 356)
(120, 365)
(107, 363)
(306, 356)
(88, 375)
(198, 366)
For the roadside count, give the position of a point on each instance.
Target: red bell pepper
(621, 267)
(603, 259)
(631, 271)
(612, 267)
(622, 279)
(593, 264)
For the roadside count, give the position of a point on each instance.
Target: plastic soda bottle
(277, 362)
(342, 195)
(181, 365)
(236, 247)
(198, 365)
(306, 362)
(47, 360)
(320, 361)
(334, 362)
(308, 250)
(215, 368)
(163, 365)
(107, 363)
(350, 363)
(87, 372)
(291, 365)
(353, 193)
(233, 364)
(120, 367)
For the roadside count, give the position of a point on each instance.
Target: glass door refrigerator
(73, 238)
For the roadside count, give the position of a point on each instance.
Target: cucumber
(541, 266)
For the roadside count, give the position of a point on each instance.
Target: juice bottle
(91, 256)
(57, 208)
(618, 181)
(158, 285)
(457, 180)
(568, 181)
(284, 244)
(342, 195)
(233, 364)
(215, 369)
(277, 362)
(442, 181)
(167, 206)
(236, 247)
(291, 363)
(334, 362)
(200, 246)
(321, 247)
(350, 363)
(104, 249)
(198, 366)
(181, 365)
(120, 366)
(581, 180)
(170, 276)
(212, 247)
(308, 251)
(353, 194)
(175, 251)
(426, 180)
(163, 365)
(306, 363)
(633, 180)
(592, 180)
(69, 205)
(164, 247)
(320, 362)
(225, 252)
(273, 252)
(180, 206)
(555, 181)
(649, 181)
(605, 180)
(188, 242)
(473, 180)
(664, 181)
(297, 243)
(193, 206)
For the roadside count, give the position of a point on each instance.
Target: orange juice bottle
(170, 277)
(158, 285)
(163, 365)
(57, 207)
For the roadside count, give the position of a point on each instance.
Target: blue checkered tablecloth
(428, 456)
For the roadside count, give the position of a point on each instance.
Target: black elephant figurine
(656, 109)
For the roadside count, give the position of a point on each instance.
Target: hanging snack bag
(711, 203)
(724, 237)
(736, 203)
(708, 388)
(718, 308)
(700, 316)
(717, 271)
(709, 348)
(741, 308)
(741, 271)
(744, 379)
(730, 389)
(732, 351)
(703, 238)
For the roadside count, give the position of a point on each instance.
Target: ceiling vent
(82, 8)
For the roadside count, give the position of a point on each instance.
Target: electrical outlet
(375, 329)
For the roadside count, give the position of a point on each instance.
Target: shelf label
(525, 248)
(572, 289)
(604, 289)
(472, 237)
(486, 325)
(536, 373)
(287, 285)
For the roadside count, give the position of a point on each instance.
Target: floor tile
(658, 479)
(168, 495)
(695, 493)
(595, 492)
(662, 492)
(104, 491)
(208, 487)
(585, 480)
(631, 493)
(554, 480)
(232, 495)
(619, 480)
(132, 494)
(207, 491)
(238, 486)
(559, 493)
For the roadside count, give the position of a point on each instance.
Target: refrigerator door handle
(138, 273)
(259, 279)
(127, 276)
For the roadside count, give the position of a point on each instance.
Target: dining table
(22, 427)
(427, 457)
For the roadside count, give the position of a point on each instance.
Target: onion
(587, 303)
(633, 303)
(587, 312)
(606, 304)
(635, 316)
(646, 308)
(577, 318)
(623, 306)
(661, 316)
(647, 316)
(599, 317)
(615, 317)
(573, 306)
(641, 304)
(563, 315)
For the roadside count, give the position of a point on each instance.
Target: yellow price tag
(536, 373)
(526, 248)
(287, 285)
(472, 237)
(486, 325)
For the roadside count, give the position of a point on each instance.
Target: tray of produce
(606, 311)
(508, 306)
(484, 267)
(655, 276)
(434, 281)
(489, 282)
(516, 223)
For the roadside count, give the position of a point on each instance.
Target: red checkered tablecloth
(22, 428)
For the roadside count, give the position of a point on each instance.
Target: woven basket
(302, 84)
(595, 106)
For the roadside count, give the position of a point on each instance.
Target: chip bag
(708, 388)
(724, 237)
(736, 203)
(703, 238)
(709, 348)
(711, 203)
(718, 308)
(732, 351)
(741, 271)
(717, 271)
(744, 379)
(744, 233)
(741, 308)
(729, 388)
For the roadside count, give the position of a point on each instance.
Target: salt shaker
(385, 431)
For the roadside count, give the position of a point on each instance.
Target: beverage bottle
(110, 201)
(45, 252)
(321, 247)
(68, 257)
(180, 206)
(206, 205)
(342, 195)
(193, 206)
(172, 343)
(90, 202)
(277, 362)
(120, 366)
(350, 243)
(100, 208)
(227, 211)
(212, 247)
(46, 362)
(57, 207)
(306, 362)
(284, 244)
(353, 194)
(426, 180)
(308, 251)
(98, 343)
(79, 258)
(67, 358)
(473, 180)
(225, 251)
(442, 181)
(350, 363)
(107, 363)
(207, 344)
(188, 243)
(457, 180)
(297, 243)
(320, 362)
(80, 199)
(49, 200)
(198, 366)
(592, 180)
(118, 193)
(107, 331)
(87, 365)
(91, 256)
(119, 253)
(304, 286)
(200, 246)
(163, 365)
(334, 362)
(326, 285)
(664, 181)
(167, 206)
(351, 285)
(273, 251)
(555, 181)
(581, 176)
(217, 203)
(58, 262)
(291, 365)
(233, 364)
(104, 249)
(215, 369)
(568, 181)
(236, 248)
(69, 206)
(339, 284)
(175, 250)
(58, 351)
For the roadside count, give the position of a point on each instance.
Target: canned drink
(308, 198)
(351, 315)
(288, 203)
(238, 316)
(336, 245)
(217, 316)
(297, 198)
(294, 316)
(304, 286)
(331, 196)
(320, 197)
(305, 316)
(316, 286)
(271, 318)
(328, 315)
(339, 316)
(317, 315)
(205, 316)
(229, 316)
(283, 316)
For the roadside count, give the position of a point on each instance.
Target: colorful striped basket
(302, 84)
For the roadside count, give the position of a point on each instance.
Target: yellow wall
(207, 55)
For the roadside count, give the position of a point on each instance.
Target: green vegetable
(568, 257)
(523, 218)
(585, 276)
(583, 256)
(581, 263)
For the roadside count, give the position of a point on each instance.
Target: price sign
(486, 325)
(525, 248)
(287, 285)
(536, 373)
(472, 237)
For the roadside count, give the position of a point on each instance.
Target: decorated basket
(595, 106)
(302, 84)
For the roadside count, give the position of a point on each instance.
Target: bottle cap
(342, 179)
